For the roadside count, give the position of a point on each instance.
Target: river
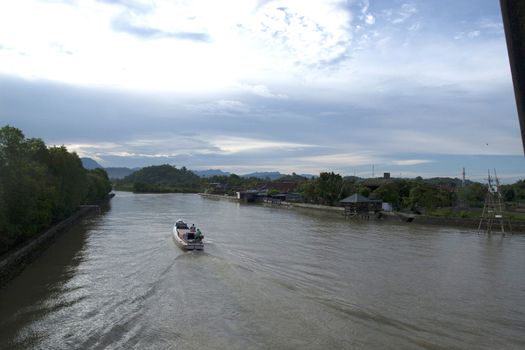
(269, 278)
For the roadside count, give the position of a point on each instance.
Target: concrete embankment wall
(280, 204)
(218, 196)
(314, 207)
(13, 262)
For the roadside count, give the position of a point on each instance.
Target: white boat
(186, 237)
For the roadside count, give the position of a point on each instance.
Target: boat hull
(185, 244)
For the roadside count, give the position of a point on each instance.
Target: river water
(269, 278)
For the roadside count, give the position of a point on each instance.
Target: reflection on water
(268, 278)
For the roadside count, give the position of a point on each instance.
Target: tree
(475, 194)
(329, 187)
(38, 185)
(389, 192)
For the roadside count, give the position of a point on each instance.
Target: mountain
(290, 178)
(273, 175)
(160, 178)
(90, 164)
(211, 172)
(119, 172)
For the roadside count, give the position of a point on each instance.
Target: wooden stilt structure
(493, 213)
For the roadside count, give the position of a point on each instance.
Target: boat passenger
(191, 234)
(199, 236)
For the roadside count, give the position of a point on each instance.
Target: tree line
(410, 194)
(40, 185)
(328, 188)
(167, 178)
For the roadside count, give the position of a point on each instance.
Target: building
(247, 196)
(375, 183)
(358, 204)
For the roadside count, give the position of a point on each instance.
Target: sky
(359, 87)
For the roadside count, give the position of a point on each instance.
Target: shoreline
(518, 227)
(14, 262)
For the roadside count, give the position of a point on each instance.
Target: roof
(283, 187)
(355, 198)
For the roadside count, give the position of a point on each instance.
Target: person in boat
(199, 236)
(191, 234)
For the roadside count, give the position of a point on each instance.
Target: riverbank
(219, 197)
(471, 223)
(279, 204)
(14, 261)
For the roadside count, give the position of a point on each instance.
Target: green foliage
(514, 192)
(423, 195)
(441, 212)
(389, 192)
(363, 190)
(475, 194)
(167, 178)
(330, 185)
(327, 189)
(273, 192)
(348, 188)
(98, 184)
(417, 194)
(519, 189)
(39, 185)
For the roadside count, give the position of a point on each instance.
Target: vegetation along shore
(40, 186)
(435, 200)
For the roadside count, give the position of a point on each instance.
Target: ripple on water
(268, 278)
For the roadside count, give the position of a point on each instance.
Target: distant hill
(291, 178)
(119, 172)
(272, 175)
(160, 178)
(211, 172)
(90, 164)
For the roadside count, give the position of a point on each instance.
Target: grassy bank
(471, 214)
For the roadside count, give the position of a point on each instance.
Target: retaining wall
(13, 262)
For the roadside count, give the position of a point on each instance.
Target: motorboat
(187, 238)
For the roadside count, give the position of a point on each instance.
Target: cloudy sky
(418, 87)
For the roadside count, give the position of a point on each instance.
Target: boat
(185, 237)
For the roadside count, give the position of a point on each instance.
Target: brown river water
(268, 278)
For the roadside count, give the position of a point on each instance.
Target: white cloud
(261, 90)
(414, 27)
(342, 159)
(473, 34)
(175, 46)
(295, 33)
(407, 10)
(220, 107)
(230, 144)
(411, 161)
(149, 146)
(369, 19)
